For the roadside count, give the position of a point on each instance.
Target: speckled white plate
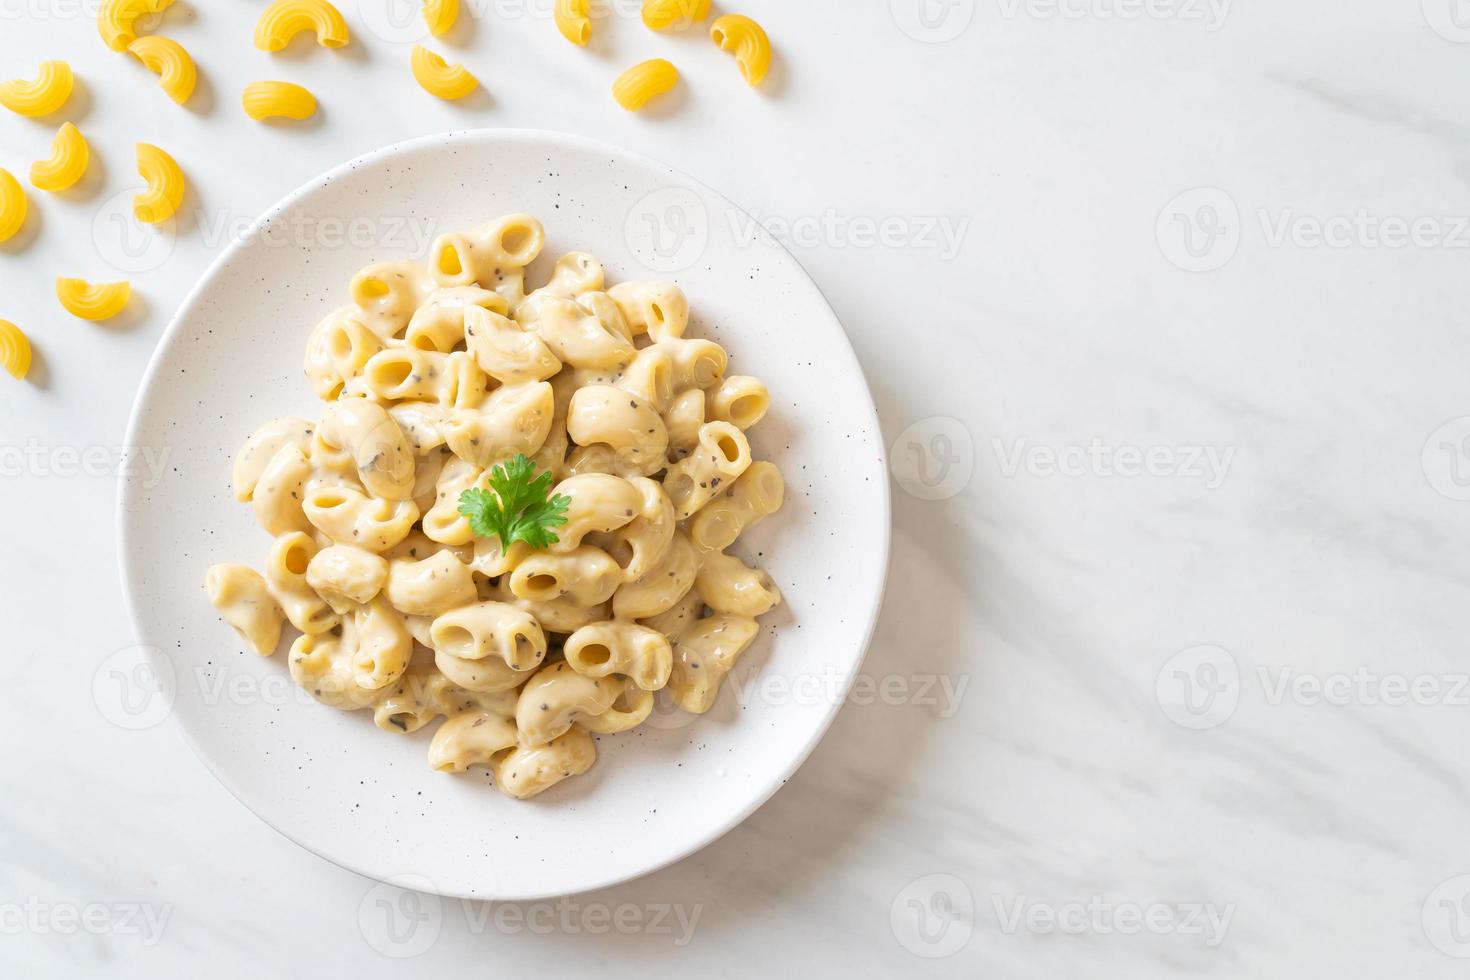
(365, 799)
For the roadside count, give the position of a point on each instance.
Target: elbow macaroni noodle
(674, 15)
(438, 77)
(277, 100)
(434, 374)
(747, 41)
(166, 185)
(636, 86)
(67, 163)
(89, 302)
(574, 20)
(440, 15)
(15, 351)
(167, 59)
(117, 19)
(45, 95)
(13, 206)
(284, 19)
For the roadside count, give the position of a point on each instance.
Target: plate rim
(128, 489)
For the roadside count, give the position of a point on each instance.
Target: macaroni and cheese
(420, 589)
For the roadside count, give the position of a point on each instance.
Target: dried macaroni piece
(439, 78)
(15, 350)
(67, 163)
(277, 100)
(89, 302)
(284, 19)
(166, 185)
(747, 41)
(636, 86)
(167, 59)
(45, 95)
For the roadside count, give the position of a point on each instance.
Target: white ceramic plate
(365, 799)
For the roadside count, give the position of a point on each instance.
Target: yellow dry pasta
(643, 81)
(747, 41)
(438, 77)
(67, 163)
(15, 350)
(674, 15)
(284, 19)
(12, 206)
(574, 20)
(117, 19)
(42, 97)
(100, 302)
(277, 100)
(166, 185)
(167, 59)
(440, 15)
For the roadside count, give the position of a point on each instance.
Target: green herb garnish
(520, 509)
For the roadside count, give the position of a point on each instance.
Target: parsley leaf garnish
(519, 509)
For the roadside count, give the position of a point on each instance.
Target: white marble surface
(1155, 446)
